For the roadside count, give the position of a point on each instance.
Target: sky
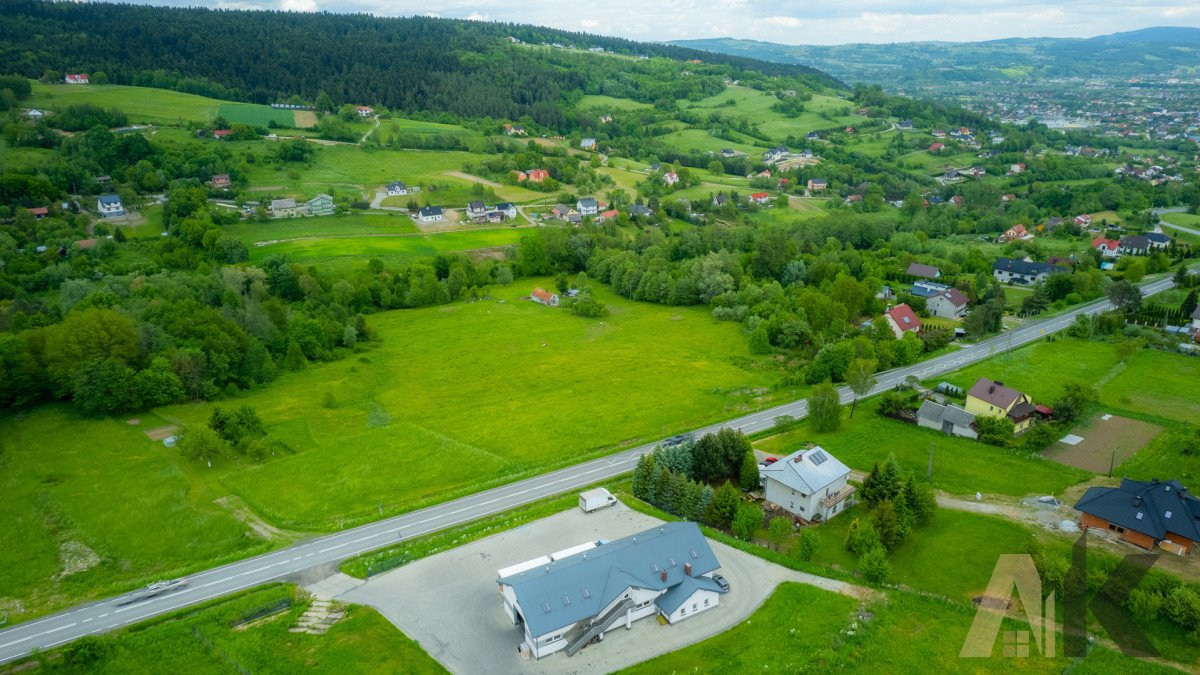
(783, 21)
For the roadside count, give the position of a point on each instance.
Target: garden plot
(1104, 443)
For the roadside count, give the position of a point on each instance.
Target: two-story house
(809, 483)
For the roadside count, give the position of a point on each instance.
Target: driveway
(449, 602)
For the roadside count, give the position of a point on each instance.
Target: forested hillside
(462, 67)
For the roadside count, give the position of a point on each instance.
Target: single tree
(1124, 296)
(778, 530)
(874, 565)
(724, 505)
(749, 472)
(860, 377)
(807, 546)
(825, 408)
(747, 521)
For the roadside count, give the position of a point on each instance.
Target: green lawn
(351, 251)
(700, 140)
(142, 104)
(453, 398)
(804, 629)
(756, 105)
(610, 102)
(257, 115)
(250, 231)
(202, 641)
(960, 466)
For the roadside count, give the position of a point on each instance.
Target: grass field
(250, 232)
(702, 141)
(257, 115)
(610, 102)
(557, 389)
(142, 104)
(756, 105)
(202, 641)
(960, 466)
(804, 629)
(348, 251)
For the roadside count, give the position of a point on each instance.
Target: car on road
(676, 440)
(152, 590)
(721, 582)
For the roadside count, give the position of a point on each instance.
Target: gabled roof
(639, 210)
(672, 599)
(591, 580)
(994, 393)
(1022, 267)
(1158, 237)
(1135, 241)
(760, 195)
(504, 206)
(431, 211)
(587, 202)
(808, 471)
(904, 317)
(1110, 244)
(109, 200)
(1152, 508)
(476, 205)
(921, 270)
(542, 294)
(283, 203)
(932, 410)
(955, 297)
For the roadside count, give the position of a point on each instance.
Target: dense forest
(463, 67)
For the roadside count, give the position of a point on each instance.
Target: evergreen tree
(704, 497)
(724, 505)
(679, 494)
(889, 523)
(643, 477)
(749, 472)
(861, 536)
(874, 565)
(807, 546)
(663, 492)
(746, 521)
(294, 360)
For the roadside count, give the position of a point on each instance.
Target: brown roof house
(989, 398)
(545, 297)
(924, 271)
(949, 304)
(1144, 513)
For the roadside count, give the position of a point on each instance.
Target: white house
(430, 214)
(588, 144)
(396, 188)
(109, 206)
(507, 209)
(1023, 272)
(809, 483)
(476, 209)
(948, 419)
(80, 78)
(949, 304)
(671, 177)
(364, 110)
(587, 206)
(561, 601)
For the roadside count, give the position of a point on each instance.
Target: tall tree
(825, 408)
(860, 377)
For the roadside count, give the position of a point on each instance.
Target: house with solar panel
(811, 484)
(566, 600)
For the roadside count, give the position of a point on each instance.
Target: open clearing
(304, 119)
(439, 599)
(257, 115)
(1106, 443)
(393, 249)
(142, 104)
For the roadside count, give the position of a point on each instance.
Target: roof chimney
(992, 388)
(687, 568)
(664, 575)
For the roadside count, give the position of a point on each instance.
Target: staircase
(317, 619)
(596, 627)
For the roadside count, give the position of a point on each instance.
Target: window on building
(706, 602)
(693, 606)
(683, 611)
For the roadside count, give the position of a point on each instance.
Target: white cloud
(787, 21)
(476, 16)
(298, 5)
(589, 24)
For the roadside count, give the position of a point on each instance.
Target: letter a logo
(1012, 570)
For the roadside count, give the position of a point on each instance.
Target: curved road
(107, 615)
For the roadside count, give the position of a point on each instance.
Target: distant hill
(1180, 35)
(467, 68)
(1150, 51)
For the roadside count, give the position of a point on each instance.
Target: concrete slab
(449, 602)
(333, 586)
(1071, 439)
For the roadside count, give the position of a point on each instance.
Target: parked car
(676, 440)
(721, 582)
(770, 460)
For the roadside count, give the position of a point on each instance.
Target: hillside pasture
(335, 250)
(609, 103)
(142, 104)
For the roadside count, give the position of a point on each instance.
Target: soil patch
(474, 179)
(304, 119)
(240, 510)
(76, 557)
(159, 433)
(1106, 443)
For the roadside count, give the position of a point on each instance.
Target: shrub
(1183, 607)
(874, 565)
(994, 430)
(1144, 605)
(748, 519)
(807, 546)
(861, 536)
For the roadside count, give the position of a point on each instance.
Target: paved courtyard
(450, 604)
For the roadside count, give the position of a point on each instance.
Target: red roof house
(538, 175)
(39, 211)
(221, 133)
(937, 147)
(760, 197)
(902, 320)
(608, 214)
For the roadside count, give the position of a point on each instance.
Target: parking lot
(449, 602)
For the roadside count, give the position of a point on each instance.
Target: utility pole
(1111, 461)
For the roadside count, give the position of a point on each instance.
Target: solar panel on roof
(818, 458)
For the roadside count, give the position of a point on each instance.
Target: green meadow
(250, 232)
(350, 250)
(701, 140)
(142, 104)
(411, 421)
(756, 105)
(257, 115)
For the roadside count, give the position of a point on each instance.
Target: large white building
(809, 483)
(564, 600)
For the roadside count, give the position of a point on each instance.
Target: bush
(994, 430)
(806, 548)
(861, 537)
(897, 403)
(874, 565)
(1183, 607)
(1144, 605)
(748, 519)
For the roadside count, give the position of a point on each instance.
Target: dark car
(676, 440)
(721, 582)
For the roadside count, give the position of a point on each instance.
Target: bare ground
(1106, 444)
(159, 433)
(474, 179)
(242, 511)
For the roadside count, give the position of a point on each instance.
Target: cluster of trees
(235, 433)
(679, 479)
(896, 506)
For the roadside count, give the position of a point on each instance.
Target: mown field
(452, 399)
(142, 104)
(202, 641)
(257, 115)
(250, 231)
(756, 106)
(336, 251)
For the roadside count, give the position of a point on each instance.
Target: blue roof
(1023, 267)
(580, 586)
(672, 599)
(1151, 507)
(431, 211)
(925, 289)
(109, 199)
(503, 206)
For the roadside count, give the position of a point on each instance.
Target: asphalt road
(110, 614)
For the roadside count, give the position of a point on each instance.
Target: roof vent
(662, 530)
(654, 567)
(1167, 488)
(1139, 515)
(585, 592)
(992, 389)
(1137, 501)
(694, 554)
(546, 607)
(1167, 514)
(635, 540)
(566, 600)
(671, 562)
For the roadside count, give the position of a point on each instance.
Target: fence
(385, 565)
(261, 611)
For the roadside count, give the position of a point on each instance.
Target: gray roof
(927, 289)
(109, 199)
(476, 205)
(1135, 241)
(1196, 313)
(922, 270)
(1023, 267)
(639, 210)
(1158, 237)
(587, 202)
(672, 599)
(932, 410)
(396, 184)
(579, 586)
(1151, 507)
(503, 206)
(431, 211)
(283, 204)
(808, 470)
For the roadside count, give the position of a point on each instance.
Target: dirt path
(242, 511)
(370, 131)
(475, 179)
